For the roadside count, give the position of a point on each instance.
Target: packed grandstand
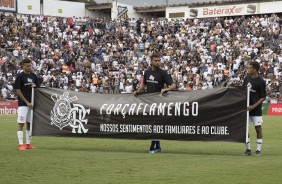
(96, 55)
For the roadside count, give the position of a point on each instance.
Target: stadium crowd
(99, 56)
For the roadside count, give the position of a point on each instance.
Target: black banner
(206, 115)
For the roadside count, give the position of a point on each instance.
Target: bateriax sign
(223, 10)
(217, 11)
(206, 115)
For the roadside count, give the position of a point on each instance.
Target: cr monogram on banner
(63, 114)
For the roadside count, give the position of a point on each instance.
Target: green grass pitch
(108, 161)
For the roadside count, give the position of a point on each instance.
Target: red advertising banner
(8, 107)
(275, 110)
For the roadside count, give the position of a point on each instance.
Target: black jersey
(258, 91)
(24, 82)
(155, 80)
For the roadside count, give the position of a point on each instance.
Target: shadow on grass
(142, 146)
(191, 151)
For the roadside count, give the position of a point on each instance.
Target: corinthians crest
(63, 114)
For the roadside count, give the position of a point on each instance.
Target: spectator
(128, 88)
(4, 93)
(65, 51)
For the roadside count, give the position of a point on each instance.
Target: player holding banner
(155, 79)
(257, 96)
(24, 83)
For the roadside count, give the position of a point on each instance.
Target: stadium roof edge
(198, 4)
(100, 6)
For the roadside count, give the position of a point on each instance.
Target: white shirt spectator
(93, 88)
(210, 86)
(121, 86)
(16, 53)
(4, 92)
(210, 70)
(10, 86)
(78, 82)
(65, 87)
(128, 88)
(194, 69)
(45, 78)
